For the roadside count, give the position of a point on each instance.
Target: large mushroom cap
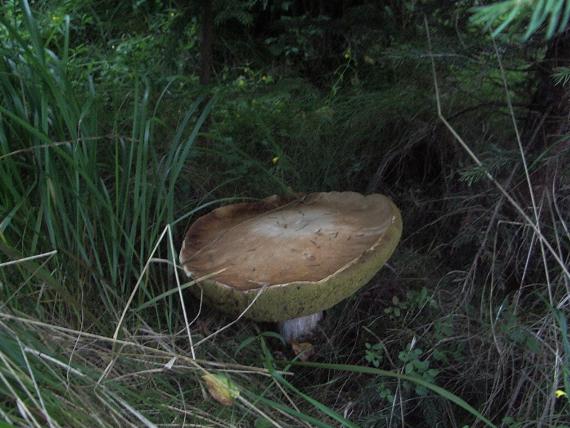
(308, 252)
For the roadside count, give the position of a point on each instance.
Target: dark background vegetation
(120, 118)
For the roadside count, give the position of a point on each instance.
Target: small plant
(443, 330)
(395, 311)
(374, 354)
(415, 366)
(415, 301)
(386, 392)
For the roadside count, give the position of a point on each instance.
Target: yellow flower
(275, 160)
(559, 393)
(347, 53)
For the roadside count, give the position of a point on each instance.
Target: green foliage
(385, 393)
(57, 163)
(373, 354)
(561, 76)
(415, 366)
(298, 42)
(227, 10)
(414, 301)
(494, 160)
(528, 16)
(413, 379)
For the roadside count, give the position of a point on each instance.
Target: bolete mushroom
(307, 252)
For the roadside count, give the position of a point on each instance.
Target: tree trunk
(206, 36)
(551, 104)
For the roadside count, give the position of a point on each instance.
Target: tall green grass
(76, 178)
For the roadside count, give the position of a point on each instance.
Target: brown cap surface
(280, 241)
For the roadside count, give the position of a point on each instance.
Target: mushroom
(296, 256)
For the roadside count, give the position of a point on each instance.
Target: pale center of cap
(294, 224)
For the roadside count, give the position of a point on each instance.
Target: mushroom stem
(296, 329)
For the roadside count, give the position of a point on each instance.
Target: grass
(75, 203)
(97, 188)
